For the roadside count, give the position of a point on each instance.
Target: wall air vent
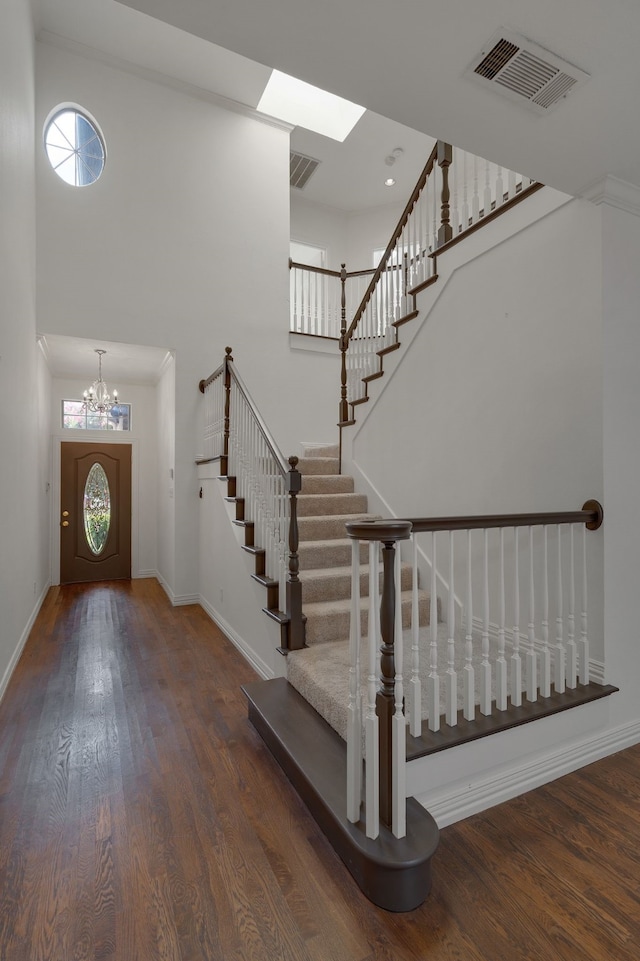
(524, 71)
(300, 169)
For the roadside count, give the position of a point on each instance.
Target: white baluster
(530, 670)
(485, 666)
(516, 663)
(584, 636)
(486, 201)
(545, 655)
(559, 658)
(455, 213)
(499, 188)
(415, 685)
(354, 719)
(469, 707)
(451, 678)
(398, 723)
(465, 193)
(511, 184)
(501, 663)
(572, 650)
(475, 200)
(371, 723)
(433, 682)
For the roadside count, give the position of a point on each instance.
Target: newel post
(445, 157)
(343, 415)
(224, 460)
(296, 638)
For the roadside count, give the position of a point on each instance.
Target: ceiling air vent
(300, 169)
(524, 71)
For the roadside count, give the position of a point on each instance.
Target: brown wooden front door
(95, 512)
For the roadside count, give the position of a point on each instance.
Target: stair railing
(266, 486)
(523, 573)
(317, 295)
(457, 192)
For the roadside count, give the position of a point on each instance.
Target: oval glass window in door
(97, 509)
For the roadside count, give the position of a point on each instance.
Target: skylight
(304, 105)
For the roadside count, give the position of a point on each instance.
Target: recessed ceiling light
(304, 105)
(389, 182)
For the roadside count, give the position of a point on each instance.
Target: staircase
(328, 502)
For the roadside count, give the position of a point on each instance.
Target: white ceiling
(74, 357)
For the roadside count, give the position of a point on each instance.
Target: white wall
(183, 243)
(24, 555)
(143, 438)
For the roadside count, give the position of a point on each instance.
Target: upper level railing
(320, 297)
(522, 573)
(266, 483)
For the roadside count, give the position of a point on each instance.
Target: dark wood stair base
(430, 742)
(393, 873)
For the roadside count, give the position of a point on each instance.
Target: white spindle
(455, 213)
(516, 662)
(486, 201)
(485, 666)
(451, 677)
(545, 655)
(354, 719)
(559, 658)
(469, 707)
(572, 650)
(433, 682)
(501, 663)
(499, 188)
(371, 722)
(398, 723)
(475, 200)
(415, 685)
(511, 184)
(530, 669)
(584, 636)
(465, 192)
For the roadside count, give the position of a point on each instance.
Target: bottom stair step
(393, 873)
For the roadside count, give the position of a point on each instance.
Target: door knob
(65, 524)
(65, 513)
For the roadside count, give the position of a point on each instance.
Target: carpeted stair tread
(333, 583)
(325, 526)
(318, 465)
(330, 620)
(323, 504)
(334, 552)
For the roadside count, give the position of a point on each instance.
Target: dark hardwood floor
(142, 818)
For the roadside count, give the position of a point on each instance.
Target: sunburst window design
(97, 509)
(75, 147)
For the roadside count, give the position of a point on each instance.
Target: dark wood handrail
(202, 386)
(591, 516)
(417, 190)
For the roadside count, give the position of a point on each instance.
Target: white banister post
(371, 724)
(415, 717)
(501, 663)
(485, 667)
(572, 650)
(469, 707)
(516, 663)
(433, 682)
(545, 655)
(354, 719)
(559, 653)
(451, 678)
(399, 724)
(531, 679)
(584, 636)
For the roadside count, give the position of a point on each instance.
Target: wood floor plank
(143, 819)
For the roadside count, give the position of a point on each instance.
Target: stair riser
(335, 625)
(338, 586)
(314, 505)
(331, 450)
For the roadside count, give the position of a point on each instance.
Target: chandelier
(97, 398)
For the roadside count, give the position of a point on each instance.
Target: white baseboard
(140, 575)
(177, 600)
(15, 657)
(238, 642)
(461, 801)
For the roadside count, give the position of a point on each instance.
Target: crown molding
(614, 192)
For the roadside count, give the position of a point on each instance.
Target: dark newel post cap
(228, 351)
(380, 530)
(294, 477)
